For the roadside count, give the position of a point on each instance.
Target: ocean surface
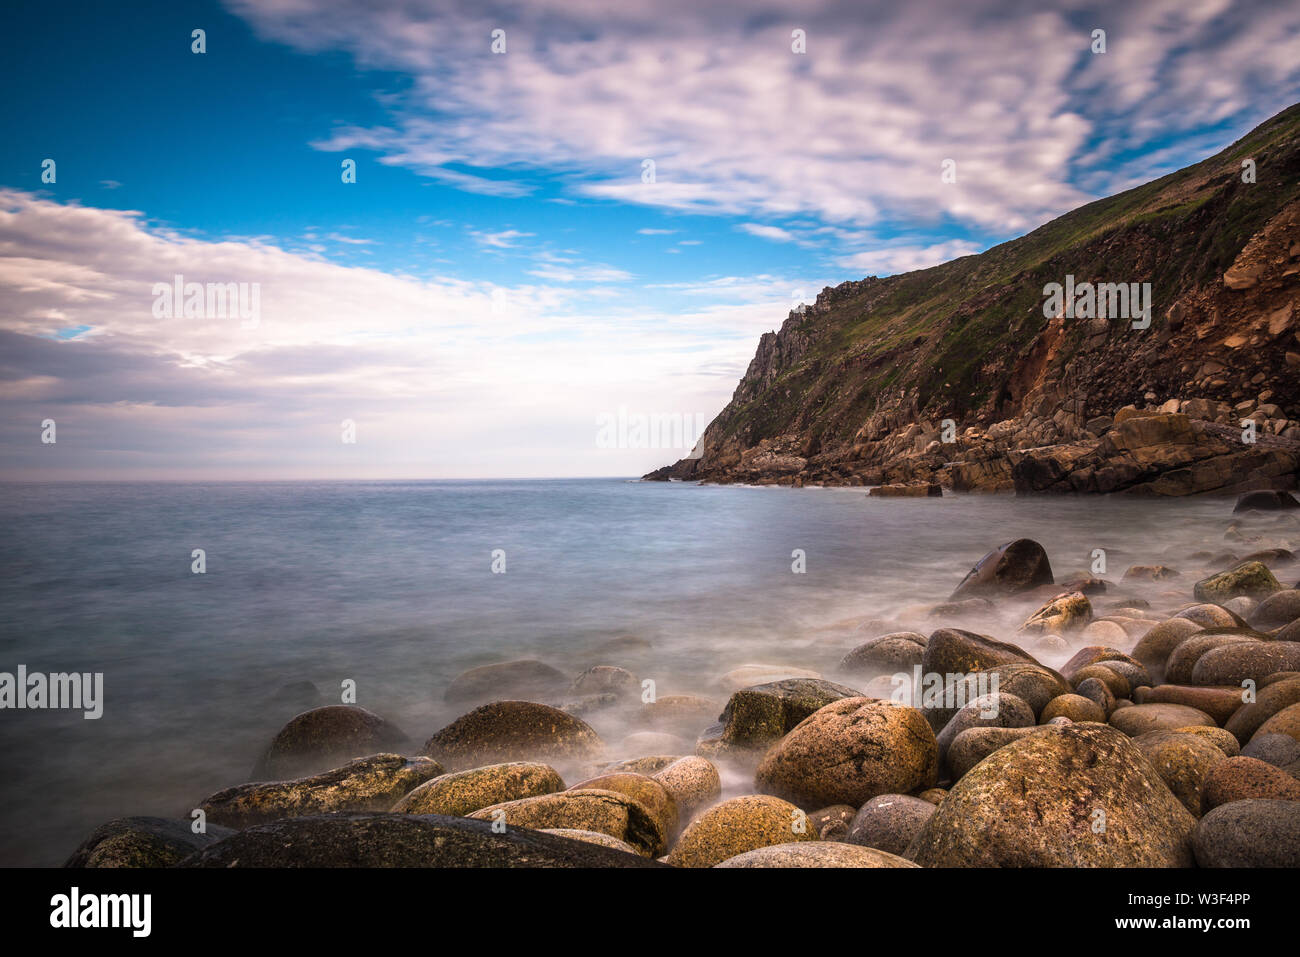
(390, 584)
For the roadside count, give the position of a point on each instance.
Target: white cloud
(888, 260)
(505, 239)
(775, 233)
(443, 377)
(852, 133)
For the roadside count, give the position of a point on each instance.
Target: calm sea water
(391, 585)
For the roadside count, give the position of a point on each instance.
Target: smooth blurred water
(390, 584)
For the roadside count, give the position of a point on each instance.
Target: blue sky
(500, 276)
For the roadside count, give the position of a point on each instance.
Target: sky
(566, 215)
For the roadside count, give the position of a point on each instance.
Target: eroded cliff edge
(855, 388)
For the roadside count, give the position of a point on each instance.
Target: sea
(207, 606)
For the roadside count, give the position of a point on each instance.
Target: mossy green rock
(1032, 803)
(1252, 579)
(756, 717)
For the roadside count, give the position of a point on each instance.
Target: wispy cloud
(852, 132)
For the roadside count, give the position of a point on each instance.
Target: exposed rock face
(1033, 803)
(958, 375)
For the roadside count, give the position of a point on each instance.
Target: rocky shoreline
(1151, 719)
(1180, 447)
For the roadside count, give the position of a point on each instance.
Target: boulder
(1182, 761)
(513, 731)
(850, 751)
(1247, 661)
(1218, 737)
(1154, 648)
(951, 651)
(1280, 750)
(143, 842)
(1182, 663)
(693, 783)
(998, 710)
(889, 822)
(1269, 700)
(1286, 721)
(886, 655)
(1014, 567)
(1033, 803)
(739, 825)
(975, 744)
(324, 738)
(1265, 501)
(652, 795)
(1142, 718)
(1252, 579)
(1243, 778)
(608, 812)
(1252, 833)
(591, 837)
(366, 784)
(1075, 707)
(1278, 609)
(832, 823)
(1210, 615)
(756, 717)
(819, 854)
(402, 840)
(1219, 703)
(463, 792)
(525, 679)
(1060, 616)
(606, 679)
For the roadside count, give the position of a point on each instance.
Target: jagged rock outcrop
(959, 375)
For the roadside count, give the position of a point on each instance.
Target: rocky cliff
(960, 374)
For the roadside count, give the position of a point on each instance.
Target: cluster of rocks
(1158, 731)
(1175, 448)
